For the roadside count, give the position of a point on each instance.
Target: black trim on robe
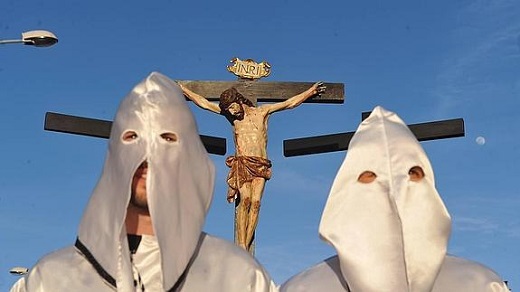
(90, 258)
(133, 242)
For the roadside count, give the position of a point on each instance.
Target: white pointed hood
(390, 234)
(179, 184)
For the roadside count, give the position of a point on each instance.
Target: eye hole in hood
(169, 137)
(416, 173)
(367, 177)
(129, 136)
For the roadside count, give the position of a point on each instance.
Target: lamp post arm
(2, 42)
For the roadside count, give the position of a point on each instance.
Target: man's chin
(141, 206)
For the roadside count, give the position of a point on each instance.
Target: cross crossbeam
(265, 91)
(339, 142)
(101, 129)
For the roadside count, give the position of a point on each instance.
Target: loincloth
(245, 169)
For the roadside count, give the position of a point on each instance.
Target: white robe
(456, 275)
(179, 189)
(390, 231)
(218, 265)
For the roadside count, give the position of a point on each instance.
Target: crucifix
(249, 166)
(338, 142)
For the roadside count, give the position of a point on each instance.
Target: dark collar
(133, 242)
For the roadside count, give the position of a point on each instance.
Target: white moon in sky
(480, 140)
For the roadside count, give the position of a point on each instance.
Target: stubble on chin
(139, 202)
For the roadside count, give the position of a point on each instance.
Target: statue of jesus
(249, 166)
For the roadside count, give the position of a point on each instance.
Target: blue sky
(424, 60)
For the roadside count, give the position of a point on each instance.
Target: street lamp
(37, 38)
(19, 271)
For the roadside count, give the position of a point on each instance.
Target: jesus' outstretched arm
(200, 100)
(316, 89)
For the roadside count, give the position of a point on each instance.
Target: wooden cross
(249, 166)
(339, 142)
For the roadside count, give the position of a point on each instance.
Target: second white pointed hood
(179, 184)
(390, 234)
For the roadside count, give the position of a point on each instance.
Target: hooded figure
(154, 147)
(387, 222)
